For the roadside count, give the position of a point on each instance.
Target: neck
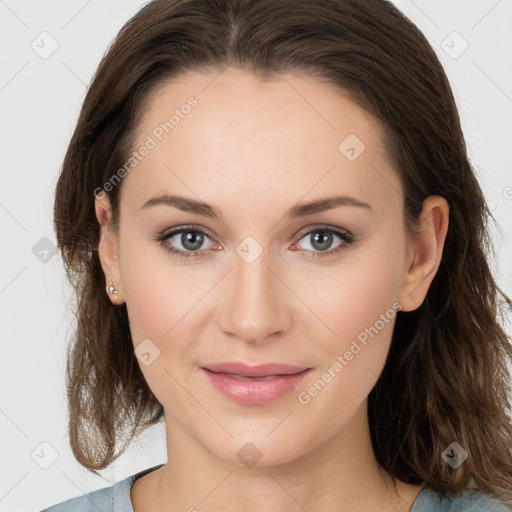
(341, 474)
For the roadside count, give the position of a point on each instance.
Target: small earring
(414, 300)
(112, 290)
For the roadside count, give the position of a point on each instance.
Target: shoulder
(115, 497)
(100, 500)
(469, 501)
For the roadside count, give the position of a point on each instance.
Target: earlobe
(426, 246)
(107, 250)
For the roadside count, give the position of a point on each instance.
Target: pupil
(191, 240)
(319, 236)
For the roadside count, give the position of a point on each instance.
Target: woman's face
(256, 283)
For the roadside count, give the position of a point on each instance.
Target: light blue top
(117, 499)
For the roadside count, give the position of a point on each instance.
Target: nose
(257, 305)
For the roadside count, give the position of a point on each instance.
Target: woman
(279, 246)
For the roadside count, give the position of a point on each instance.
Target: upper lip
(260, 370)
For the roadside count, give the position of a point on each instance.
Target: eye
(185, 242)
(321, 238)
(188, 241)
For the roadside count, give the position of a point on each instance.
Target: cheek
(158, 293)
(357, 302)
(162, 301)
(359, 306)
(353, 295)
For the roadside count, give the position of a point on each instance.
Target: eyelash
(346, 237)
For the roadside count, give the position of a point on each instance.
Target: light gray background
(40, 99)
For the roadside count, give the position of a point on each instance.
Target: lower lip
(254, 392)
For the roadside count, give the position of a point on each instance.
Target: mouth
(255, 385)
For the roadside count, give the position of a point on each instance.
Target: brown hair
(446, 376)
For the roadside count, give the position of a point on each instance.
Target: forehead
(220, 135)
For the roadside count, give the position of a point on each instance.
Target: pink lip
(242, 383)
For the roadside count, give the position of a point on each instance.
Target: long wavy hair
(446, 377)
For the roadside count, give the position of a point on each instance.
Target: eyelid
(190, 227)
(327, 227)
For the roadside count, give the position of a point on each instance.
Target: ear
(424, 250)
(108, 249)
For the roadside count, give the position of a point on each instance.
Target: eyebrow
(300, 210)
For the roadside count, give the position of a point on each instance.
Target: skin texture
(253, 150)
